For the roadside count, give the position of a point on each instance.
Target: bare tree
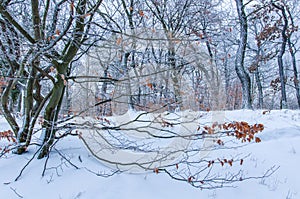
(240, 55)
(52, 44)
(278, 29)
(281, 53)
(293, 50)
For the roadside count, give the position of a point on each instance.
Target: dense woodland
(99, 58)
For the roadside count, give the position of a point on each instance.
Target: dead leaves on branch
(9, 136)
(224, 161)
(240, 130)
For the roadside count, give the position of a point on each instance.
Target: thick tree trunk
(51, 116)
(280, 56)
(55, 101)
(240, 57)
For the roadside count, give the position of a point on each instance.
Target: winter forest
(155, 86)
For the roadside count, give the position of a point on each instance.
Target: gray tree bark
(53, 107)
(284, 36)
(294, 62)
(240, 56)
(295, 71)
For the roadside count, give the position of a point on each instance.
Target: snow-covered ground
(279, 147)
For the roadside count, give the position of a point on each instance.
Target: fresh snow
(279, 147)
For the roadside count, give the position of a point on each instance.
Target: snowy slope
(279, 147)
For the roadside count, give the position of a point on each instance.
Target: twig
(21, 172)
(45, 164)
(15, 191)
(105, 175)
(64, 157)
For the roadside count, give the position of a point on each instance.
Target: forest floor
(279, 147)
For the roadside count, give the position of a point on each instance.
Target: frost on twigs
(218, 169)
(173, 144)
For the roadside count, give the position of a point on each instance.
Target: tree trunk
(294, 63)
(55, 101)
(28, 105)
(129, 86)
(41, 47)
(259, 88)
(7, 114)
(240, 57)
(174, 75)
(284, 36)
(29, 99)
(257, 61)
(227, 76)
(51, 116)
(296, 77)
